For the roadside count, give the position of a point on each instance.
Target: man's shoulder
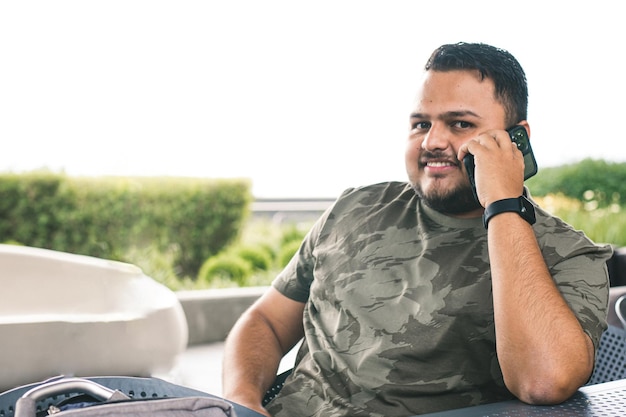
(381, 192)
(380, 200)
(554, 232)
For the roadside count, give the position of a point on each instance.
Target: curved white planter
(69, 314)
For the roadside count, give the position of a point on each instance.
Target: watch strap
(519, 205)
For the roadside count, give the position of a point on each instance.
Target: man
(407, 300)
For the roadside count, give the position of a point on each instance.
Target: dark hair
(511, 88)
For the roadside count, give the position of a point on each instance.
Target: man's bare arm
(543, 351)
(255, 346)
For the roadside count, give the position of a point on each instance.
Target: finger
(500, 138)
(463, 151)
(514, 149)
(504, 142)
(488, 140)
(470, 147)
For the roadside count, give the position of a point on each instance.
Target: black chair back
(611, 356)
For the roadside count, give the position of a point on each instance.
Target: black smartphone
(519, 136)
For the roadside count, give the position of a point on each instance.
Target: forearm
(256, 345)
(251, 358)
(542, 349)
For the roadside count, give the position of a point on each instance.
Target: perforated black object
(611, 357)
(600, 400)
(276, 387)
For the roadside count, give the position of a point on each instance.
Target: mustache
(440, 157)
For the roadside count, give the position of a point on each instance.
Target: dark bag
(95, 400)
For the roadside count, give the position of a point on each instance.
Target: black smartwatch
(520, 205)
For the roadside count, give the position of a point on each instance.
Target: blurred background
(303, 98)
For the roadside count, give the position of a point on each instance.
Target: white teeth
(439, 164)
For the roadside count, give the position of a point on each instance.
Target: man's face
(450, 108)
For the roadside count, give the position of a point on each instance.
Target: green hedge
(108, 217)
(589, 179)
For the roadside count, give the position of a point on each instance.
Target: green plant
(225, 266)
(602, 225)
(292, 232)
(156, 263)
(108, 217)
(287, 251)
(603, 182)
(257, 256)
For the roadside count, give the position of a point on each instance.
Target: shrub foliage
(589, 179)
(107, 217)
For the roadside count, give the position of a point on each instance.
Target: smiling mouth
(439, 164)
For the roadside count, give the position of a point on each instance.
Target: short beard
(457, 201)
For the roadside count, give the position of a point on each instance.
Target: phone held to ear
(519, 136)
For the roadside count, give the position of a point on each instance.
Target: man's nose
(436, 139)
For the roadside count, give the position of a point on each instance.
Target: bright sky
(303, 98)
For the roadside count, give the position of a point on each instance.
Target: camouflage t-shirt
(399, 311)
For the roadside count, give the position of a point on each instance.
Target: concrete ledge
(212, 313)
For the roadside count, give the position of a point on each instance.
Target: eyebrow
(447, 115)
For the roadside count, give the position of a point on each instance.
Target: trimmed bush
(292, 232)
(287, 251)
(597, 180)
(106, 217)
(225, 266)
(257, 256)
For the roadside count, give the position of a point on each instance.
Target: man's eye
(420, 125)
(462, 125)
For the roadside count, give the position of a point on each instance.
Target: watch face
(527, 210)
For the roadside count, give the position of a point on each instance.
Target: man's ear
(526, 126)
